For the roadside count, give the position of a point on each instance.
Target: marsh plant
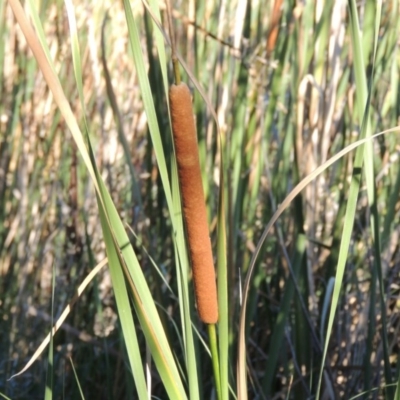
(199, 200)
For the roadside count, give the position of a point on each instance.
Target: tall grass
(301, 199)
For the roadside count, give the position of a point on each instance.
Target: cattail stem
(177, 73)
(212, 335)
(194, 209)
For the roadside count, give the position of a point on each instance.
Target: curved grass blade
(63, 316)
(363, 103)
(241, 363)
(121, 294)
(127, 264)
(142, 297)
(148, 101)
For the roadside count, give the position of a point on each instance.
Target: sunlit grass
(322, 285)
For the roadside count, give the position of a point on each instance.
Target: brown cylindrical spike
(194, 208)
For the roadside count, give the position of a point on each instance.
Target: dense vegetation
(307, 276)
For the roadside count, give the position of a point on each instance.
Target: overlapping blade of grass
(186, 302)
(375, 219)
(277, 140)
(123, 262)
(105, 202)
(40, 32)
(160, 41)
(278, 331)
(223, 300)
(133, 349)
(207, 158)
(364, 50)
(180, 246)
(171, 189)
(392, 108)
(148, 102)
(144, 304)
(363, 99)
(241, 370)
(62, 317)
(214, 157)
(277, 178)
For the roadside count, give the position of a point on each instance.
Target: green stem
(177, 75)
(212, 335)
